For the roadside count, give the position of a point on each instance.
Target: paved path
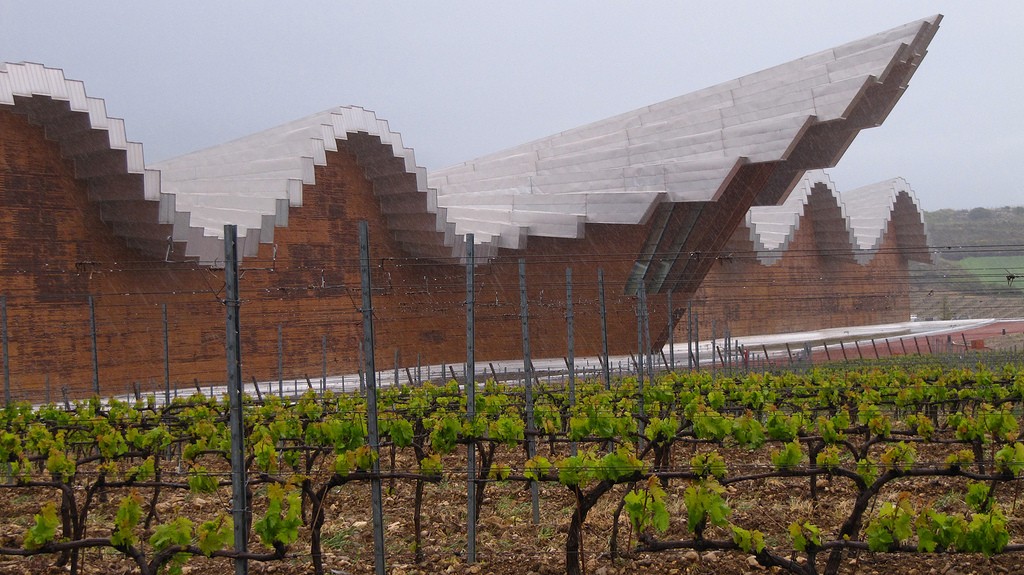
(897, 338)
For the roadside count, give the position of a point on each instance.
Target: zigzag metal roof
(676, 257)
(128, 194)
(626, 170)
(252, 182)
(180, 206)
(686, 149)
(870, 210)
(848, 224)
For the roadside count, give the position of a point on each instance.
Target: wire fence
(130, 327)
(576, 325)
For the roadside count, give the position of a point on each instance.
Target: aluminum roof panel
(617, 170)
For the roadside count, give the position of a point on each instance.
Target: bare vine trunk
(574, 538)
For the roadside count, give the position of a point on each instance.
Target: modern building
(821, 259)
(112, 268)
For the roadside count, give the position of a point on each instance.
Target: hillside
(977, 252)
(977, 232)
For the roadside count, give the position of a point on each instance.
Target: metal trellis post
(531, 439)
(644, 356)
(571, 345)
(95, 351)
(470, 376)
(371, 399)
(696, 338)
(689, 334)
(167, 359)
(671, 333)
(239, 503)
(7, 365)
(280, 363)
(604, 329)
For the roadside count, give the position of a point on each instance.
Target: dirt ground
(509, 543)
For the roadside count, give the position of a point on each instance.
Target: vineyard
(816, 473)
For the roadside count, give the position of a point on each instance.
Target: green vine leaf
(507, 430)
(747, 540)
(431, 466)
(215, 534)
(891, 527)
(576, 469)
(986, 533)
(200, 480)
(44, 529)
(938, 531)
(174, 533)
(536, 468)
(281, 522)
(646, 507)
(805, 535)
(129, 513)
(705, 464)
(499, 472)
(789, 457)
(1010, 459)
(977, 497)
(704, 503)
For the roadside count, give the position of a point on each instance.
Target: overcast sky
(463, 79)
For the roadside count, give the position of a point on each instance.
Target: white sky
(463, 79)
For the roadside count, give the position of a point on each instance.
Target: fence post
(95, 351)
(714, 345)
(647, 334)
(604, 329)
(671, 334)
(371, 399)
(239, 503)
(723, 351)
(362, 369)
(689, 334)
(638, 361)
(645, 349)
(280, 362)
(167, 359)
(470, 397)
(531, 438)
(395, 382)
(323, 377)
(7, 365)
(696, 338)
(571, 345)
